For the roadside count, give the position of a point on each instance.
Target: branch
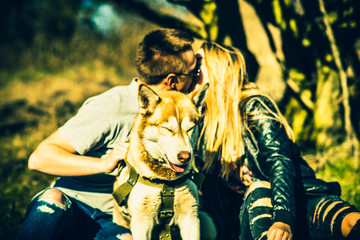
(167, 14)
(302, 99)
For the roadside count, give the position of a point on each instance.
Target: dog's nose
(184, 156)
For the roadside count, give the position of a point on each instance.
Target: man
(90, 145)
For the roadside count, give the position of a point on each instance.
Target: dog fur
(160, 149)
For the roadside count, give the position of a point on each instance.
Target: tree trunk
(351, 141)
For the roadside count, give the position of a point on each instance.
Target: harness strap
(167, 204)
(166, 211)
(122, 191)
(166, 232)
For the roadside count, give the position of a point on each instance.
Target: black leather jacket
(273, 157)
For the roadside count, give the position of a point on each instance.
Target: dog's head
(164, 127)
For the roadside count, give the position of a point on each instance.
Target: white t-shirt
(101, 123)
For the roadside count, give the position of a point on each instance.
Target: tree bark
(351, 140)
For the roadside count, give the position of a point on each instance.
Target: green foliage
(339, 167)
(209, 17)
(300, 122)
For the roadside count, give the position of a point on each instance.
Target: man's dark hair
(159, 54)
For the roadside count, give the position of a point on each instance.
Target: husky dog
(161, 156)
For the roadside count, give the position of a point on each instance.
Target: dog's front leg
(141, 228)
(189, 226)
(143, 203)
(186, 211)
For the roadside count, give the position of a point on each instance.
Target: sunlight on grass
(30, 111)
(335, 164)
(38, 94)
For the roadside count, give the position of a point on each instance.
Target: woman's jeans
(317, 218)
(49, 220)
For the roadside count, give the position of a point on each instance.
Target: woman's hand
(116, 155)
(279, 231)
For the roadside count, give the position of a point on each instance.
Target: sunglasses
(195, 73)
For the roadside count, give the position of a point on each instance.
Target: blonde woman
(246, 144)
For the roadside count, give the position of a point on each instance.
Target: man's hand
(279, 231)
(116, 155)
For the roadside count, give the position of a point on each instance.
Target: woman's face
(204, 76)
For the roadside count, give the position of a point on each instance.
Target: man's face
(187, 80)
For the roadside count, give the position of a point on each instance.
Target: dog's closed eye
(167, 129)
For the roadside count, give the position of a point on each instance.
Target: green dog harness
(166, 232)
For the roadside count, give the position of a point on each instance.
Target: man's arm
(55, 156)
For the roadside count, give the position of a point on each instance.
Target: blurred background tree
(55, 54)
(315, 46)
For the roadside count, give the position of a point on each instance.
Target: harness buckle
(166, 214)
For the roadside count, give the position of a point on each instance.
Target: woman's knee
(349, 221)
(339, 216)
(53, 195)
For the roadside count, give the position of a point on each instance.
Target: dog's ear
(198, 96)
(148, 99)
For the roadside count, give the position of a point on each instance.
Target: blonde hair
(223, 122)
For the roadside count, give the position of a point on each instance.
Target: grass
(48, 85)
(339, 166)
(32, 111)
(41, 86)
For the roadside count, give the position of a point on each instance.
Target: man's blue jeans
(76, 220)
